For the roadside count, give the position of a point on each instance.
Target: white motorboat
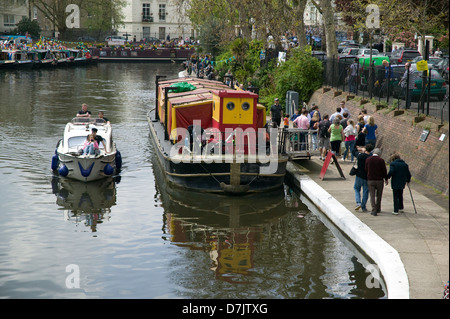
(69, 160)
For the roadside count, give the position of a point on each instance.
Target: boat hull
(86, 168)
(229, 175)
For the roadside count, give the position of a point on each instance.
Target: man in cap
(276, 112)
(376, 176)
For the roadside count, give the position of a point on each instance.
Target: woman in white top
(350, 139)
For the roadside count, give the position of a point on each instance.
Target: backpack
(323, 129)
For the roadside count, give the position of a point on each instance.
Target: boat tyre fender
(55, 162)
(118, 160)
(108, 169)
(63, 171)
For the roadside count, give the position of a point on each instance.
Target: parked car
(403, 56)
(380, 85)
(365, 52)
(438, 87)
(320, 55)
(347, 44)
(152, 40)
(432, 60)
(349, 51)
(442, 67)
(117, 40)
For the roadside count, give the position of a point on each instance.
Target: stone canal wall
(400, 131)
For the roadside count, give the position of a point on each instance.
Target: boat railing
(88, 120)
(298, 143)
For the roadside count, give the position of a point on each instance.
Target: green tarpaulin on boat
(181, 87)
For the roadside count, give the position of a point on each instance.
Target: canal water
(132, 236)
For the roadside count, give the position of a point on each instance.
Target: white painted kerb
(383, 254)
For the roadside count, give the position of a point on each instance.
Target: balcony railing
(147, 19)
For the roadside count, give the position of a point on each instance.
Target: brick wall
(428, 161)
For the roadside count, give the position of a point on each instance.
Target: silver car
(366, 52)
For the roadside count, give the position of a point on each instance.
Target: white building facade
(11, 12)
(148, 19)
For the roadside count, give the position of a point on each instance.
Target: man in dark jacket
(276, 112)
(376, 173)
(361, 178)
(399, 171)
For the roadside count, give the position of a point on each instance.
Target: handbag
(353, 171)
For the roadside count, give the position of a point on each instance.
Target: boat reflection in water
(271, 244)
(89, 202)
(229, 228)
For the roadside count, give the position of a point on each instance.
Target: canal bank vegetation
(300, 71)
(227, 29)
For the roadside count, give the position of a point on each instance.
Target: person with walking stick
(399, 171)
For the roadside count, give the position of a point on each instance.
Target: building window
(146, 11)
(162, 33)
(8, 20)
(162, 12)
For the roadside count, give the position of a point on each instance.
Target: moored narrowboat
(127, 54)
(211, 138)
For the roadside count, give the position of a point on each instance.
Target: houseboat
(136, 54)
(211, 138)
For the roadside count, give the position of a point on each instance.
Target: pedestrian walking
(361, 136)
(353, 77)
(276, 112)
(350, 139)
(315, 108)
(344, 120)
(303, 123)
(407, 83)
(371, 129)
(344, 109)
(338, 112)
(361, 177)
(400, 174)
(314, 126)
(324, 137)
(376, 175)
(336, 135)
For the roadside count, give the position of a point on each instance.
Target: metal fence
(428, 94)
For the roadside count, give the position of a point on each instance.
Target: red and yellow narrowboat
(211, 138)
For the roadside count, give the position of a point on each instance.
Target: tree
(399, 19)
(301, 73)
(106, 14)
(27, 26)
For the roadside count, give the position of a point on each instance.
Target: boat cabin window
(78, 141)
(230, 106)
(245, 106)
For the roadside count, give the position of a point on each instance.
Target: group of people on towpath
(356, 139)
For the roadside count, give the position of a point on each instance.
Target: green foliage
(301, 73)
(209, 37)
(32, 27)
(242, 58)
